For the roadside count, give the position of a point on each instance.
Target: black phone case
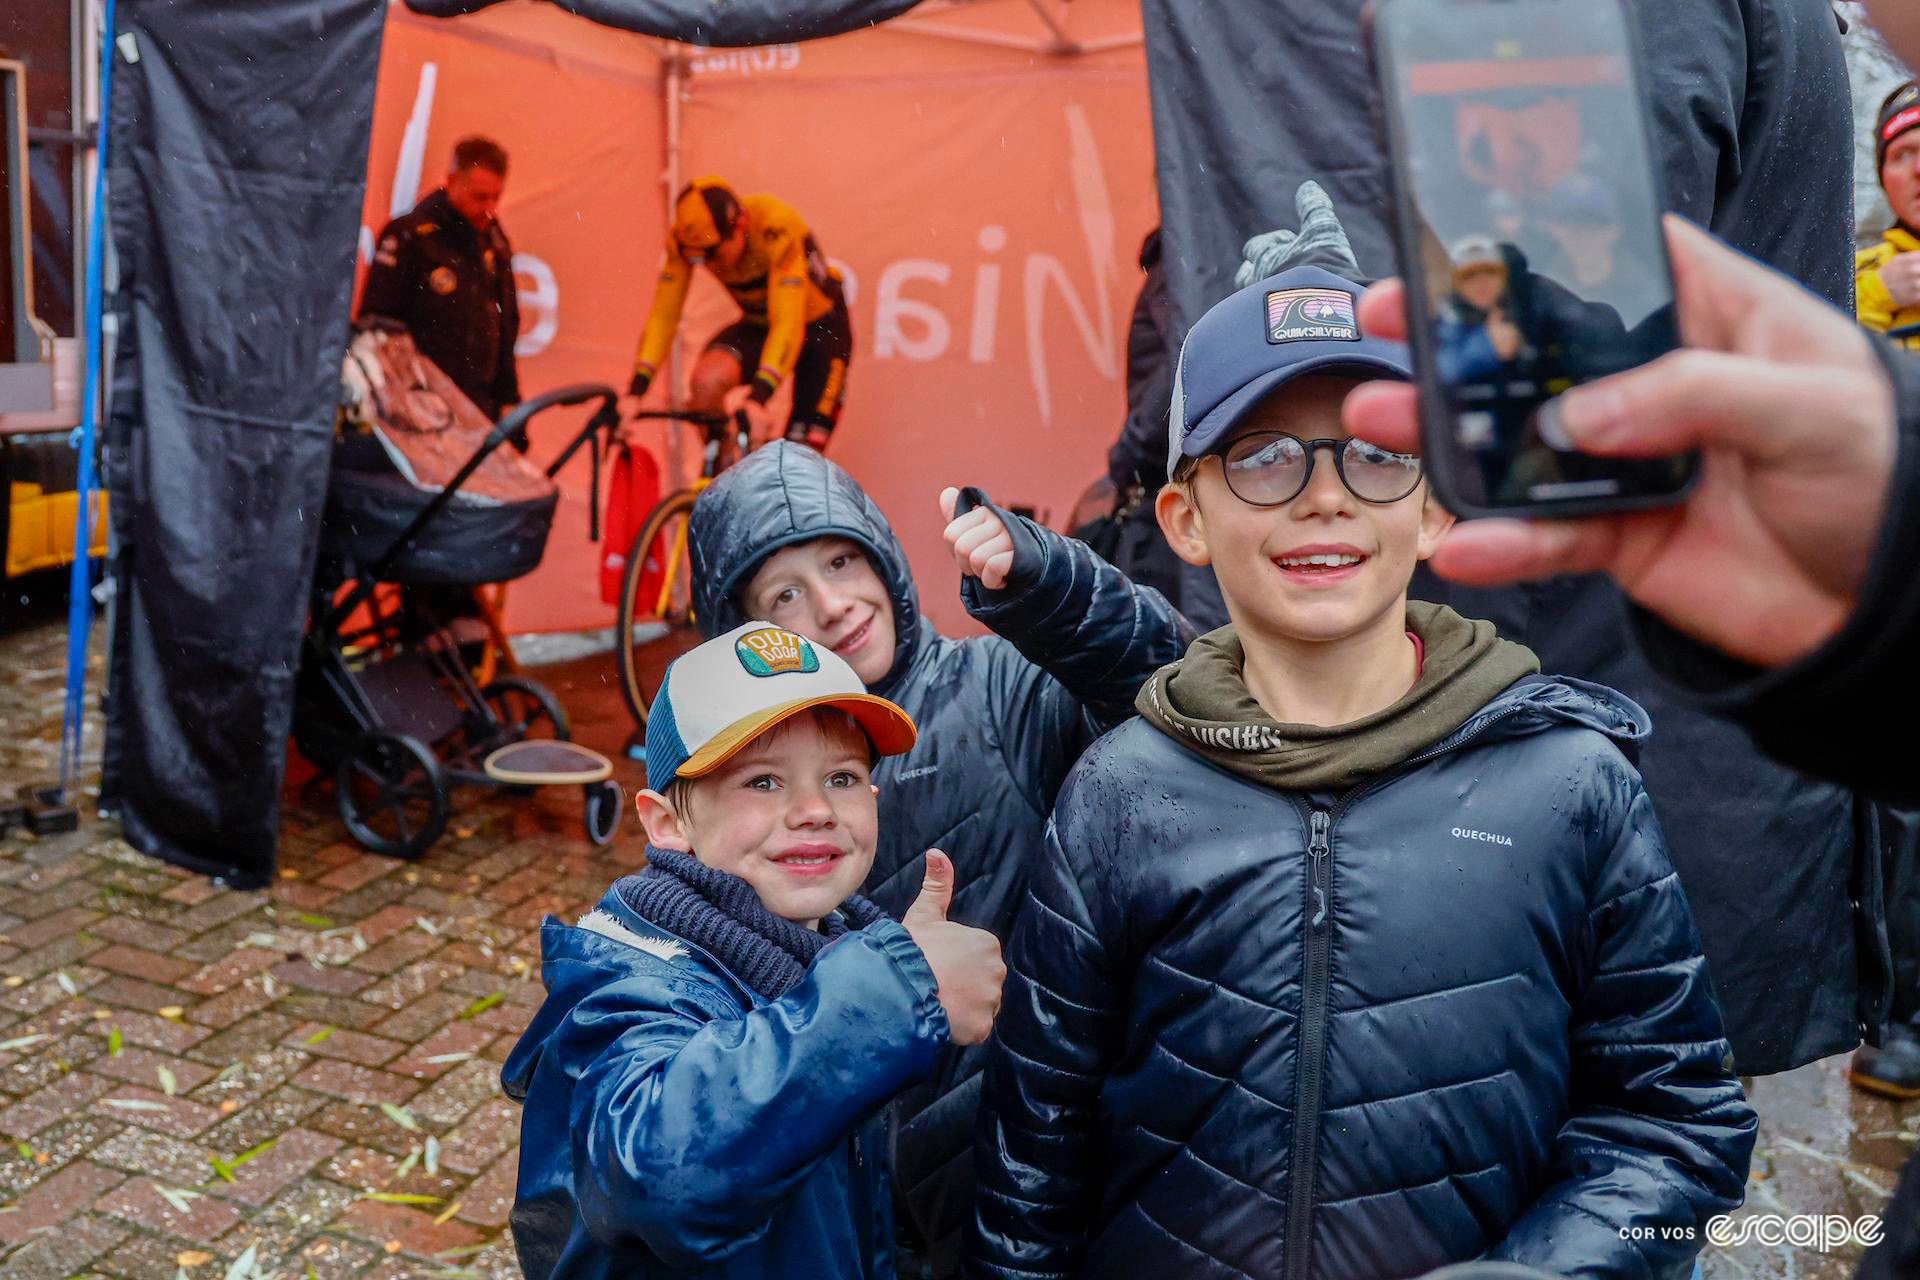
(1439, 454)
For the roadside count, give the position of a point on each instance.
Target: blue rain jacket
(678, 1124)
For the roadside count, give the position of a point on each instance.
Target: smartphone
(1527, 220)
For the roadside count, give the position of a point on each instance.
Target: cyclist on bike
(793, 322)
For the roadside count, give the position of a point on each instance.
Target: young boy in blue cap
(705, 1083)
(1358, 952)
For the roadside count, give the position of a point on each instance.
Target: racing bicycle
(657, 586)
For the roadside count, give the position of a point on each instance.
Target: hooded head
(781, 496)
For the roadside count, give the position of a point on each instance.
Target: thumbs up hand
(979, 541)
(966, 963)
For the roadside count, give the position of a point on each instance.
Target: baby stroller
(421, 495)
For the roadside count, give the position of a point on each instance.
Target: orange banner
(985, 203)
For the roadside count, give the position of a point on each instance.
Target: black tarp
(236, 166)
(1252, 97)
(712, 22)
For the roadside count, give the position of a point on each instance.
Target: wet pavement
(307, 1076)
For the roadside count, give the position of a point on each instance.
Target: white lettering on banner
(890, 308)
(542, 300)
(1041, 272)
(986, 297)
(1096, 224)
(413, 144)
(747, 62)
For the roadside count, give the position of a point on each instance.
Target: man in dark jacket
(1753, 138)
(998, 731)
(445, 273)
(1359, 953)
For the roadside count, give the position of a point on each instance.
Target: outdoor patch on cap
(1311, 315)
(772, 651)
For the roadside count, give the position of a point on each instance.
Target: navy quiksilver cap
(1298, 322)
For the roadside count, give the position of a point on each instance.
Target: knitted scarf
(722, 915)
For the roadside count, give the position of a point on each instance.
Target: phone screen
(1536, 252)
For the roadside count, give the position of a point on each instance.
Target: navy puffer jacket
(1457, 1011)
(997, 734)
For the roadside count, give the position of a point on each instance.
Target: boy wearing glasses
(1357, 953)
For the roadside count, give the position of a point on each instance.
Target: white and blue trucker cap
(719, 696)
(1298, 322)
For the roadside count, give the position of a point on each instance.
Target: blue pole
(80, 583)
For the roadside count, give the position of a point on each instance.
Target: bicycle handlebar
(699, 417)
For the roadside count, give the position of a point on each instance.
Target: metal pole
(675, 81)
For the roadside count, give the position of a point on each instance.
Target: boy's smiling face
(1257, 553)
(828, 591)
(792, 813)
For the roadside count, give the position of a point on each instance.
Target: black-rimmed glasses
(1269, 468)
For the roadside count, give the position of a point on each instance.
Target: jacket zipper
(1316, 998)
(1313, 1045)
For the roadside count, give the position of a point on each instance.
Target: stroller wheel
(393, 796)
(603, 811)
(526, 709)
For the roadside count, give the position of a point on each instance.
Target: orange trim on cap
(889, 728)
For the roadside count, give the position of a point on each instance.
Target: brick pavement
(185, 1075)
(188, 1072)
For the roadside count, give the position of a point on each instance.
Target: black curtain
(1252, 97)
(712, 22)
(236, 165)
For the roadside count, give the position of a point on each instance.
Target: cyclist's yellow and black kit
(793, 323)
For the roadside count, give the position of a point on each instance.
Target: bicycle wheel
(655, 588)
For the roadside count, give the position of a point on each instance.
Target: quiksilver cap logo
(1311, 315)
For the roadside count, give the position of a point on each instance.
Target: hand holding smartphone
(1527, 221)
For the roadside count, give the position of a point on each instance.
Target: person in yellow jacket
(793, 323)
(1887, 274)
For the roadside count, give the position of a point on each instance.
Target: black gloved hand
(1321, 241)
(640, 383)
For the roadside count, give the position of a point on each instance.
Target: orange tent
(982, 173)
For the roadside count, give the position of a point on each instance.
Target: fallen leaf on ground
(481, 1005)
